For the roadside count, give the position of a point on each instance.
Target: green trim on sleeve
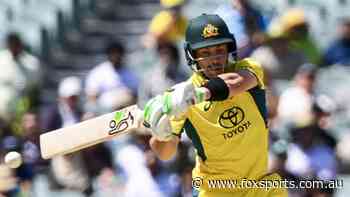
(259, 97)
(196, 141)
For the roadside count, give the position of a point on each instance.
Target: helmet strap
(232, 56)
(193, 63)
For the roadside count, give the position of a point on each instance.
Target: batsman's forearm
(164, 150)
(240, 82)
(230, 84)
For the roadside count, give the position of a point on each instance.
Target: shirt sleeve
(253, 67)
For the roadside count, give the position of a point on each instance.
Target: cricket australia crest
(210, 31)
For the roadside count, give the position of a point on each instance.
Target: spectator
(309, 159)
(322, 109)
(133, 162)
(314, 145)
(168, 25)
(28, 146)
(278, 60)
(30, 150)
(280, 64)
(31, 132)
(9, 186)
(165, 74)
(67, 111)
(245, 22)
(277, 162)
(296, 28)
(339, 51)
(67, 171)
(111, 85)
(20, 75)
(295, 103)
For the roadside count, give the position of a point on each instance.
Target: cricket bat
(90, 132)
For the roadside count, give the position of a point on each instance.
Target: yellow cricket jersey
(231, 136)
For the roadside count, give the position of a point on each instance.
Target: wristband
(218, 89)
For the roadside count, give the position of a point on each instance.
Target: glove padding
(172, 103)
(180, 97)
(156, 119)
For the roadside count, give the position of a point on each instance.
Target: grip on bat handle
(139, 117)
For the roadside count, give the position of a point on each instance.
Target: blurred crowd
(303, 145)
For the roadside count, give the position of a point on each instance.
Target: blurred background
(65, 61)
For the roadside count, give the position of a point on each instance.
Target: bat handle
(139, 117)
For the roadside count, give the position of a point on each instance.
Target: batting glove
(173, 102)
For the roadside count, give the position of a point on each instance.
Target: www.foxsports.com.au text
(267, 184)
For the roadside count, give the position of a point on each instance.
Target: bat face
(90, 132)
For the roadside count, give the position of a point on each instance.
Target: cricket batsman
(222, 109)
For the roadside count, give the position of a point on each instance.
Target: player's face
(212, 60)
